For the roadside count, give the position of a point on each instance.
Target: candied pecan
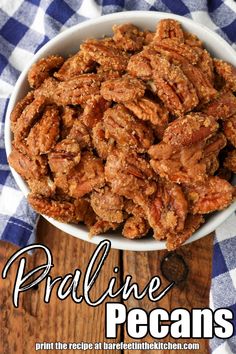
(128, 37)
(139, 66)
(222, 107)
(43, 186)
(122, 89)
(201, 82)
(148, 37)
(20, 107)
(28, 167)
(149, 110)
(135, 227)
(61, 210)
(190, 129)
(102, 226)
(68, 117)
(192, 223)
(130, 176)
(211, 151)
(74, 66)
(94, 110)
(215, 144)
(101, 144)
(28, 117)
(131, 208)
(127, 131)
(167, 211)
(173, 87)
(227, 72)
(192, 40)
(211, 195)
(107, 205)
(64, 156)
(74, 91)
(105, 53)
(205, 64)
(229, 127)
(146, 109)
(169, 28)
(80, 133)
(174, 45)
(184, 166)
(107, 74)
(162, 151)
(42, 69)
(230, 161)
(45, 133)
(85, 176)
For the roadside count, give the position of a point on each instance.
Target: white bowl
(67, 43)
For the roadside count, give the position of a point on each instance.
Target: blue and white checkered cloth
(25, 26)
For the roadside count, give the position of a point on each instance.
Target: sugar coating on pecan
(184, 166)
(64, 156)
(102, 226)
(127, 131)
(193, 222)
(223, 106)
(122, 89)
(45, 133)
(169, 28)
(102, 145)
(201, 82)
(227, 72)
(105, 53)
(74, 66)
(61, 210)
(130, 176)
(135, 227)
(28, 167)
(19, 108)
(128, 37)
(85, 176)
(135, 132)
(28, 117)
(229, 127)
(107, 205)
(189, 130)
(42, 69)
(94, 110)
(149, 110)
(192, 40)
(139, 66)
(72, 92)
(211, 195)
(206, 65)
(167, 211)
(43, 186)
(173, 87)
(81, 134)
(68, 117)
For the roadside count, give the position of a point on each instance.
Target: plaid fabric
(25, 27)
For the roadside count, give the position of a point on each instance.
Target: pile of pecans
(135, 131)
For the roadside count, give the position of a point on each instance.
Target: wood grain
(64, 321)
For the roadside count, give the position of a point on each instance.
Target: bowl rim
(116, 242)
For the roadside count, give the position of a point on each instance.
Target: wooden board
(65, 321)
